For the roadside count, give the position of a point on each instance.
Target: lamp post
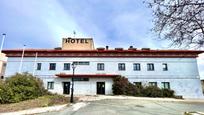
(2, 42)
(72, 89)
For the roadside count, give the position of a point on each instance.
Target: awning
(87, 75)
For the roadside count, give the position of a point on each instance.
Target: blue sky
(42, 23)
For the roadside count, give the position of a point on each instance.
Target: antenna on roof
(74, 32)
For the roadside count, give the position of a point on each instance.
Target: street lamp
(72, 89)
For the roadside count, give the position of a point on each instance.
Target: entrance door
(66, 87)
(100, 88)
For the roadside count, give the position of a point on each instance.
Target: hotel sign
(71, 40)
(77, 44)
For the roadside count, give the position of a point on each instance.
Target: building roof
(104, 53)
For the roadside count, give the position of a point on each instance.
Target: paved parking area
(132, 107)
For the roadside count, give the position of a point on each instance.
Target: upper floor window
(165, 85)
(39, 66)
(136, 67)
(81, 62)
(165, 67)
(50, 85)
(153, 84)
(121, 66)
(66, 66)
(52, 66)
(150, 67)
(100, 66)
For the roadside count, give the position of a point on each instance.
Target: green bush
(21, 87)
(121, 86)
(152, 91)
(6, 94)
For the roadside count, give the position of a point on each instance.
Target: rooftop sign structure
(77, 44)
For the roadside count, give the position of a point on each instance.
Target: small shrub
(167, 93)
(120, 85)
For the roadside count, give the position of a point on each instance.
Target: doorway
(100, 88)
(66, 87)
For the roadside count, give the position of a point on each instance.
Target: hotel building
(96, 68)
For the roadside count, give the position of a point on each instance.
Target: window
(121, 66)
(136, 67)
(81, 62)
(81, 79)
(39, 66)
(2, 77)
(165, 67)
(100, 66)
(138, 84)
(166, 85)
(66, 66)
(153, 84)
(150, 67)
(52, 66)
(50, 85)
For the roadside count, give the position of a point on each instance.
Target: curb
(36, 110)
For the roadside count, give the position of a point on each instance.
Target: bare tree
(180, 21)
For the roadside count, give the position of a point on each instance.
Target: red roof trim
(87, 75)
(105, 53)
(92, 51)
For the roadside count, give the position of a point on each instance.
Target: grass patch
(43, 101)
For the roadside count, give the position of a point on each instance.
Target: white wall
(80, 87)
(182, 72)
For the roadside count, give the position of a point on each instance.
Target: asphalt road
(132, 107)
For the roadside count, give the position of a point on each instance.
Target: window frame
(135, 67)
(121, 67)
(138, 84)
(54, 66)
(69, 67)
(165, 85)
(165, 66)
(39, 67)
(100, 66)
(50, 85)
(153, 84)
(150, 66)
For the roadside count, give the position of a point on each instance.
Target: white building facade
(95, 69)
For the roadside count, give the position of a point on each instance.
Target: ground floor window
(138, 84)
(50, 85)
(153, 84)
(165, 85)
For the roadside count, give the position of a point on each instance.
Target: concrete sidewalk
(36, 110)
(101, 97)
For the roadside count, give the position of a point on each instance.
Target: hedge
(121, 86)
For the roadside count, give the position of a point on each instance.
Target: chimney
(131, 47)
(107, 47)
